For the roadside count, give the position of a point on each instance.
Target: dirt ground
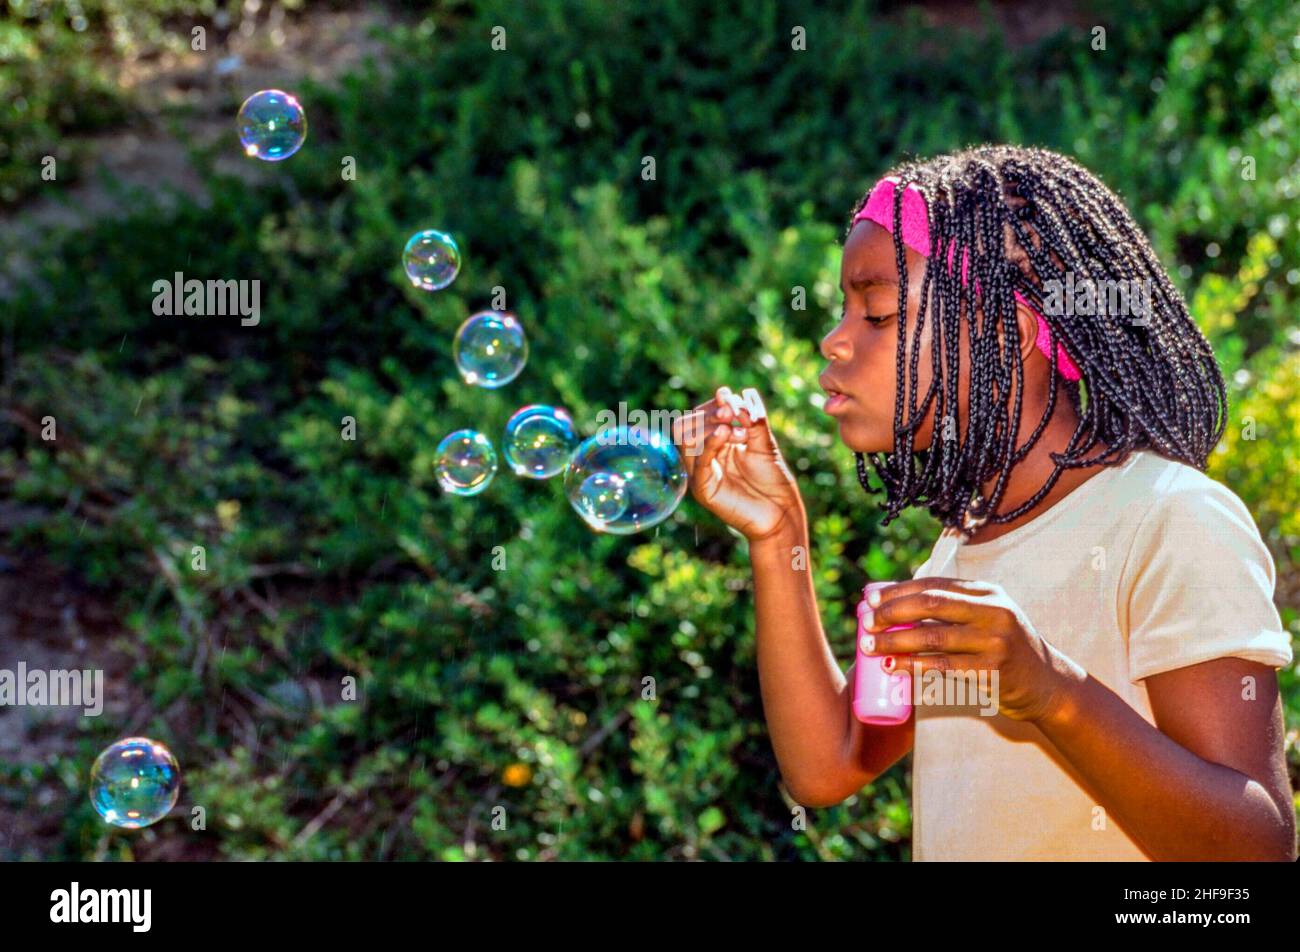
(50, 621)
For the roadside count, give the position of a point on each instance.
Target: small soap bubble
(431, 259)
(539, 440)
(465, 462)
(272, 125)
(601, 498)
(642, 465)
(134, 783)
(490, 349)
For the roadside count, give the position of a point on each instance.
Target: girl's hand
(737, 473)
(972, 626)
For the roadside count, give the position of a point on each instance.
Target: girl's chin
(861, 439)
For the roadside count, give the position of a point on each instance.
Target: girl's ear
(1027, 321)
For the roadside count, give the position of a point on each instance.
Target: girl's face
(861, 379)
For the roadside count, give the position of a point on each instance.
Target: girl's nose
(836, 345)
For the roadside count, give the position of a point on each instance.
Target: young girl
(1052, 403)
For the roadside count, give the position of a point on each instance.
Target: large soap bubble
(625, 479)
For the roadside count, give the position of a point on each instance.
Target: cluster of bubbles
(538, 443)
(134, 783)
(622, 480)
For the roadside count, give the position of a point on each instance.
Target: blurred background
(520, 685)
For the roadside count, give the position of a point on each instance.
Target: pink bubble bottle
(879, 697)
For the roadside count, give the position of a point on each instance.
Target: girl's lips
(835, 403)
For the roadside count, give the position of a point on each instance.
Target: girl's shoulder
(1169, 489)
(1190, 523)
(1197, 582)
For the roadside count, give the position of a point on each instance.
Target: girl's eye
(869, 318)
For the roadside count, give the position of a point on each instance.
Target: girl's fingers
(690, 432)
(949, 639)
(936, 583)
(709, 450)
(911, 601)
(693, 432)
(956, 664)
(758, 434)
(696, 425)
(686, 437)
(740, 434)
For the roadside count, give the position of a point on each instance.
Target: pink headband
(916, 235)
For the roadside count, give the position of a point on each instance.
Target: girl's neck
(1030, 475)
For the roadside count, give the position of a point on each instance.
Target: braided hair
(1027, 217)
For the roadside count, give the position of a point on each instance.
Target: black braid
(1026, 216)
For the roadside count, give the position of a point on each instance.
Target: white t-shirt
(1146, 567)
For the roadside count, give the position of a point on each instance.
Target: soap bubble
(272, 125)
(539, 441)
(134, 783)
(642, 465)
(431, 259)
(465, 462)
(490, 349)
(602, 498)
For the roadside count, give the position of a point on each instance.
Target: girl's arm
(1210, 783)
(825, 753)
(737, 473)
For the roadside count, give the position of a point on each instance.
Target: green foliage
(519, 690)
